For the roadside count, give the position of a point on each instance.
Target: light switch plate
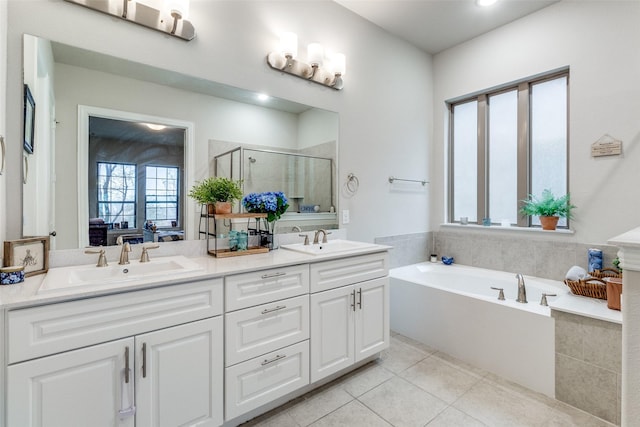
(345, 216)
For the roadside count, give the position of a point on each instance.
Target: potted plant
(549, 208)
(217, 193)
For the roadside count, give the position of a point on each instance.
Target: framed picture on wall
(32, 253)
(29, 119)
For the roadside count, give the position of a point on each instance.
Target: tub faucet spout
(522, 290)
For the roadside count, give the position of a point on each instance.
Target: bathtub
(452, 308)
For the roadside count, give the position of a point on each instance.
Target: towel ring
(352, 184)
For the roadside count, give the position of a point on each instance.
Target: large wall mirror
(93, 111)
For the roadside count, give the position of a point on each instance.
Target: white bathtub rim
(408, 273)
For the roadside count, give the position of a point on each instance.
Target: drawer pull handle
(278, 357)
(271, 310)
(270, 275)
(360, 298)
(353, 300)
(126, 365)
(144, 360)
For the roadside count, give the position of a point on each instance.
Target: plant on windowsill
(549, 208)
(217, 193)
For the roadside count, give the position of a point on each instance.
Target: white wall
(600, 42)
(385, 107)
(3, 108)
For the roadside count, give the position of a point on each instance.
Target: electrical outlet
(345, 216)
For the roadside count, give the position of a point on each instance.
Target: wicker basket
(593, 286)
(606, 272)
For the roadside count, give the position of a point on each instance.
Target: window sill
(499, 228)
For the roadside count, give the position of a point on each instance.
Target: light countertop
(26, 294)
(585, 306)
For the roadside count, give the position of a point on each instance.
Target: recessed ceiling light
(263, 97)
(485, 3)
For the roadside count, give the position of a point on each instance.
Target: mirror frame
(84, 112)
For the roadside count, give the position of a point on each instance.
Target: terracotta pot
(222, 207)
(614, 289)
(549, 222)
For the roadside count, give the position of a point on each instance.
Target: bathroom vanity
(216, 346)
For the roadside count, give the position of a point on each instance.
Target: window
(506, 144)
(117, 192)
(161, 195)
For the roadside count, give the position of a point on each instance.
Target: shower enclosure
(306, 180)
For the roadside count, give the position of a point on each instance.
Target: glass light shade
(338, 63)
(178, 7)
(289, 44)
(315, 54)
(485, 3)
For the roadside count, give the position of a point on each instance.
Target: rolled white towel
(576, 273)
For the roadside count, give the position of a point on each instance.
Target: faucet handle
(500, 294)
(324, 239)
(144, 257)
(543, 300)
(306, 238)
(102, 259)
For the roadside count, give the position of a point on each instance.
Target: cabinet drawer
(333, 274)
(38, 331)
(260, 287)
(258, 381)
(258, 330)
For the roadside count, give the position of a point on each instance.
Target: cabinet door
(332, 334)
(372, 317)
(85, 387)
(179, 375)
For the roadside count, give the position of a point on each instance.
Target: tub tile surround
(416, 392)
(589, 364)
(407, 248)
(543, 255)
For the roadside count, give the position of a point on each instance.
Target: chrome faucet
(124, 253)
(522, 290)
(317, 235)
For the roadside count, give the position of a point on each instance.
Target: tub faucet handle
(500, 294)
(543, 300)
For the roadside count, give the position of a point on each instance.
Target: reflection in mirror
(215, 112)
(305, 179)
(135, 176)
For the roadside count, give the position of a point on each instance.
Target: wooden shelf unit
(226, 252)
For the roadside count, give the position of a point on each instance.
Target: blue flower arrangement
(273, 203)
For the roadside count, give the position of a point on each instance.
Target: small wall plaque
(606, 146)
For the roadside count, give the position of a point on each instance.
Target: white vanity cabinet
(349, 312)
(266, 345)
(152, 358)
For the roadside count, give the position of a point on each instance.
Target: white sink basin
(89, 275)
(331, 247)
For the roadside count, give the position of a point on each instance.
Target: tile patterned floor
(413, 385)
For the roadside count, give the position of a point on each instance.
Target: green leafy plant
(548, 205)
(212, 189)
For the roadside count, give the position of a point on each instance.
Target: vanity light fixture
(320, 68)
(485, 3)
(167, 16)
